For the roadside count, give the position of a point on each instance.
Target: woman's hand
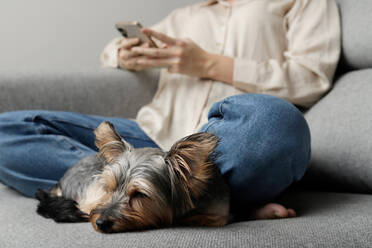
(127, 59)
(178, 55)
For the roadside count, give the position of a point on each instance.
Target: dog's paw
(58, 208)
(42, 195)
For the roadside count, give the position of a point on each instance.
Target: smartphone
(133, 30)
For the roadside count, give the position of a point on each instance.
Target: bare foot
(273, 211)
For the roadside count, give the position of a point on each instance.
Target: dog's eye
(138, 194)
(136, 198)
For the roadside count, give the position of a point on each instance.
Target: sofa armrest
(341, 134)
(108, 92)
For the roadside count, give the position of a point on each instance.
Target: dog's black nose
(104, 224)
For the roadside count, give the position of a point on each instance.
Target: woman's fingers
(128, 43)
(133, 56)
(155, 52)
(125, 54)
(145, 45)
(128, 53)
(131, 64)
(161, 62)
(160, 36)
(142, 62)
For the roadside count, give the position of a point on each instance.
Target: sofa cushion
(356, 20)
(326, 220)
(341, 133)
(90, 90)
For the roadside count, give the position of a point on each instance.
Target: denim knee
(29, 152)
(264, 145)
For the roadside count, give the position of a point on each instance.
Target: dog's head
(147, 188)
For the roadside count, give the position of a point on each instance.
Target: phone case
(133, 30)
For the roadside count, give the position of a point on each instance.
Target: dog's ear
(109, 142)
(190, 159)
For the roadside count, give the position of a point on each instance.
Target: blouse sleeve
(313, 36)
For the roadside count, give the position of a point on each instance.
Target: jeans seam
(64, 121)
(221, 113)
(79, 125)
(87, 127)
(64, 139)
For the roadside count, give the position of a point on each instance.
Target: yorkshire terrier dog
(124, 189)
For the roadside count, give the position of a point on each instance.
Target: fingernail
(276, 214)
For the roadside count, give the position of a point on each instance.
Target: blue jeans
(264, 145)
(37, 147)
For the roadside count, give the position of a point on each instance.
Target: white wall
(68, 33)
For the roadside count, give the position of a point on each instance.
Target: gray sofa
(332, 201)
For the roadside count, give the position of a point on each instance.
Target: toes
(279, 211)
(273, 211)
(291, 213)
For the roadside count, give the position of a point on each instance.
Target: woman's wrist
(219, 67)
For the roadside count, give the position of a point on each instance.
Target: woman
(211, 53)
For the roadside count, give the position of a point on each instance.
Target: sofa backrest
(356, 21)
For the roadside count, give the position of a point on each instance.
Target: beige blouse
(285, 48)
